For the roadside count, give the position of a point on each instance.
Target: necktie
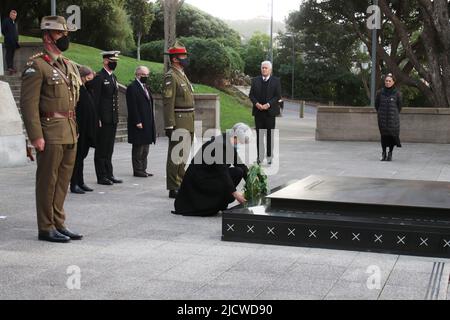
(146, 92)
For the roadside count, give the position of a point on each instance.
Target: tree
(255, 52)
(141, 16)
(327, 58)
(107, 18)
(413, 43)
(171, 8)
(192, 22)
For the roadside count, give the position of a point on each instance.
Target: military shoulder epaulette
(30, 60)
(37, 55)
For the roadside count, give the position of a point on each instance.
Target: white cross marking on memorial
(447, 243)
(291, 232)
(251, 229)
(423, 242)
(271, 230)
(230, 227)
(378, 238)
(312, 233)
(334, 235)
(401, 240)
(356, 236)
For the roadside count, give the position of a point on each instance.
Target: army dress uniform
(179, 112)
(105, 89)
(50, 92)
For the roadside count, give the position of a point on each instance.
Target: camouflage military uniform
(178, 114)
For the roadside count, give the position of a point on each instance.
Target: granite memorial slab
(363, 214)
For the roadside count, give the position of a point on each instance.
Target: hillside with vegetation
(232, 110)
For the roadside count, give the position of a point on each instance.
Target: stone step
(10, 79)
(122, 138)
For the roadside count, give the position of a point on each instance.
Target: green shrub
(153, 51)
(156, 82)
(211, 61)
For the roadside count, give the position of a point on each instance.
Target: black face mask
(112, 65)
(63, 43)
(87, 84)
(144, 80)
(184, 62)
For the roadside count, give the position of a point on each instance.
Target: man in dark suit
(265, 95)
(105, 89)
(141, 121)
(11, 34)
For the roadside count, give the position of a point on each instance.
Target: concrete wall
(27, 49)
(207, 110)
(418, 125)
(12, 140)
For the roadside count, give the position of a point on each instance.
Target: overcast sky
(246, 9)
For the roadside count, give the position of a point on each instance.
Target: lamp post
(293, 62)
(271, 34)
(53, 7)
(373, 84)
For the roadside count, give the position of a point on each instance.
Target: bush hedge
(211, 60)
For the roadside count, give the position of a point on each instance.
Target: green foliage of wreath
(256, 185)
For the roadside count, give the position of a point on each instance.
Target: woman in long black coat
(210, 182)
(388, 104)
(87, 124)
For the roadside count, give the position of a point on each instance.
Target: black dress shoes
(141, 175)
(384, 157)
(105, 182)
(389, 157)
(76, 189)
(173, 194)
(115, 180)
(53, 236)
(71, 235)
(149, 174)
(86, 188)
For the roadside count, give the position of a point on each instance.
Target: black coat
(207, 186)
(388, 104)
(10, 32)
(105, 90)
(86, 118)
(140, 110)
(272, 96)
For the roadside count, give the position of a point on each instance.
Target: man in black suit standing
(141, 121)
(11, 34)
(265, 95)
(105, 89)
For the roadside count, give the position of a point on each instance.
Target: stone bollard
(302, 109)
(2, 71)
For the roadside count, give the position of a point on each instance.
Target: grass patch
(231, 110)
(24, 39)
(125, 70)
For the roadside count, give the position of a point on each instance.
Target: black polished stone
(390, 216)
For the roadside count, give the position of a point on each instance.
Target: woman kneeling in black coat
(209, 185)
(389, 105)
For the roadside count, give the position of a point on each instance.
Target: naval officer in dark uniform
(105, 89)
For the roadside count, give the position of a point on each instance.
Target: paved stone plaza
(135, 249)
